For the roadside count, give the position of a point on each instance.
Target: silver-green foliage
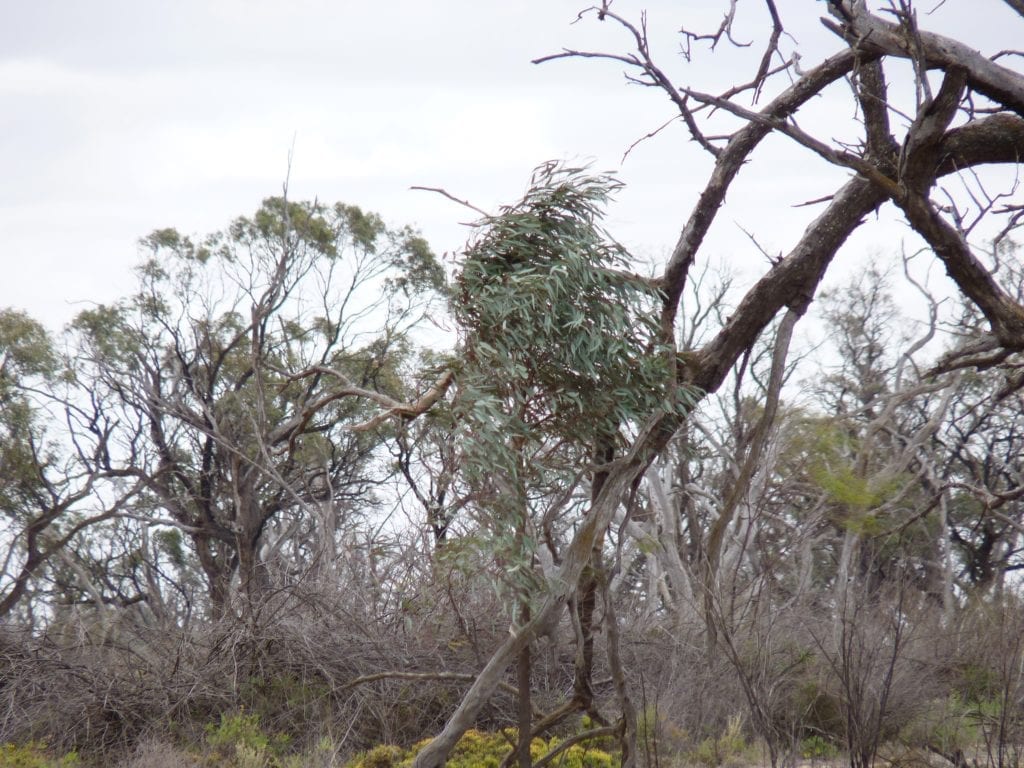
(561, 343)
(558, 334)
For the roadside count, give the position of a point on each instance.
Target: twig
(454, 199)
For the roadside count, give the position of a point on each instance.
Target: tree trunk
(525, 714)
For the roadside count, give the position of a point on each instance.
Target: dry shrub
(157, 753)
(292, 662)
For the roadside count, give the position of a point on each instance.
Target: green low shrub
(34, 755)
(382, 756)
(239, 741)
(818, 748)
(477, 749)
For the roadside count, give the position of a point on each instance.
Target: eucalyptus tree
(53, 447)
(25, 352)
(964, 111)
(245, 373)
(561, 360)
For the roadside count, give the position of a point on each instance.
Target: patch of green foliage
(477, 749)
(34, 755)
(27, 357)
(559, 336)
(562, 352)
(818, 748)
(239, 741)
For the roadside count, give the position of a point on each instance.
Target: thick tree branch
(1005, 315)
(872, 95)
(921, 147)
(792, 283)
(727, 166)
(869, 34)
(998, 138)
(423, 677)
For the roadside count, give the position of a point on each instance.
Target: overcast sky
(122, 116)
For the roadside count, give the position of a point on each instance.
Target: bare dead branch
(770, 49)
(651, 74)
(787, 128)
(1005, 315)
(727, 166)
(410, 410)
(919, 157)
(869, 34)
(426, 677)
(872, 96)
(454, 199)
(1017, 5)
(647, 136)
(815, 201)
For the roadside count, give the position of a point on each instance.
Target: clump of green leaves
(561, 347)
(816, 747)
(34, 755)
(25, 347)
(28, 361)
(240, 740)
(557, 332)
(478, 749)
(562, 351)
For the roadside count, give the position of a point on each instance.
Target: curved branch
(594, 733)
(455, 677)
(1005, 316)
(409, 410)
(869, 34)
(727, 166)
(998, 138)
(791, 283)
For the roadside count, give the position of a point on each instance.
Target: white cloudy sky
(121, 116)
